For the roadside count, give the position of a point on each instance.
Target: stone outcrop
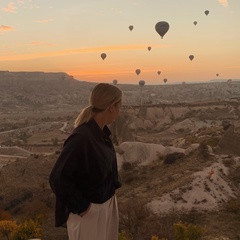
(229, 143)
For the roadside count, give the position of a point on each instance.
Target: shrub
(28, 229)
(234, 173)
(36, 210)
(157, 238)
(226, 124)
(7, 228)
(14, 203)
(187, 231)
(123, 236)
(203, 150)
(127, 166)
(172, 157)
(5, 215)
(233, 206)
(55, 141)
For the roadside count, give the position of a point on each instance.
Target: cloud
(44, 21)
(4, 28)
(67, 52)
(224, 3)
(42, 43)
(116, 11)
(10, 8)
(20, 1)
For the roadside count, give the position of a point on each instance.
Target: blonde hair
(102, 96)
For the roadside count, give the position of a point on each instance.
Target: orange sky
(64, 37)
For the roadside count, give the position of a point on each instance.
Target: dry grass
(24, 184)
(25, 193)
(159, 178)
(141, 184)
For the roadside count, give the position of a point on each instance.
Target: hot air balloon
(149, 48)
(103, 56)
(217, 74)
(162, 28)
(141, 83)
(195, 23)
(191, 57)
(158, 72)
(130, 27)
(165, 80)
(137, 71)
(115, 82)
(206, 12)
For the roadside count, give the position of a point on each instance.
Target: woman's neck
(100, 120)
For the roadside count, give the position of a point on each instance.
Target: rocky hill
(177, 149)
(31, 90)
(37, 90)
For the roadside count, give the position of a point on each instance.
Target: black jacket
(85, 172)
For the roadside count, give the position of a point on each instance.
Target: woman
(85, 176)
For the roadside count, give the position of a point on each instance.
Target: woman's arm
(63, 177)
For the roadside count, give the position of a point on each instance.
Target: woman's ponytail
(84, 116)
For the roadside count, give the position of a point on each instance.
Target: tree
(10, 230)
(28, 229)
(7, 228)
(55, 141)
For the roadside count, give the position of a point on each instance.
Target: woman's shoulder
(85, 132)
(81, 129)
(80, 133)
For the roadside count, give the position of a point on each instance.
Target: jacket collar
(94, 126)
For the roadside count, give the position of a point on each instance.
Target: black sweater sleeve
(64, 175)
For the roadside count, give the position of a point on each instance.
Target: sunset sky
(69, 36)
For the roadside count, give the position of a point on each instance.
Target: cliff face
(6, 76)
(31, 90)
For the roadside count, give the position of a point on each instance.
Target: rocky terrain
(39, 90)
(177, 149)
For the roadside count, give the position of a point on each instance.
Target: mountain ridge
(31, 90)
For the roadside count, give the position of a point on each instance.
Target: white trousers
(99, 223)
